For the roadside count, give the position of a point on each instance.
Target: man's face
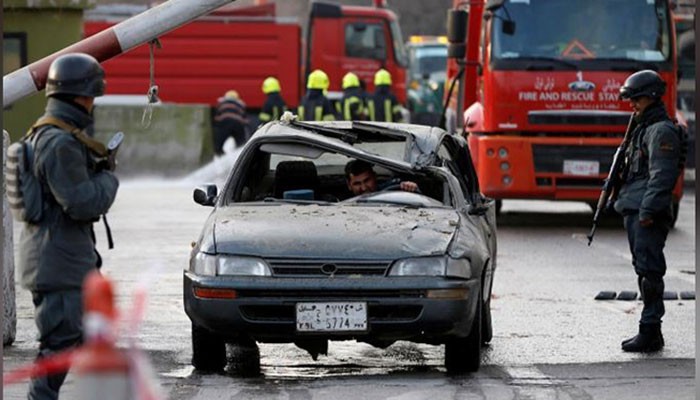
(365, 182)
(640, 104)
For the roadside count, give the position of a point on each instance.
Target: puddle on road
(344, 359)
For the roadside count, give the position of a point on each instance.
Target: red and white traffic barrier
(101, 369)
(111, 42)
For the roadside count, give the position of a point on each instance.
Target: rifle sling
(95, 146)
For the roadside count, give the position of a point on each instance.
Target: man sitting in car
(361, 179)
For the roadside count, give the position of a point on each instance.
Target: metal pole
(111, 42)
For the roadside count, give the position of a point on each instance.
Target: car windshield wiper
(545, 63)
(296, 201)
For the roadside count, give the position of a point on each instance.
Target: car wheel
(208, 350)
(464, 354)
(243, 358)
(486, 325)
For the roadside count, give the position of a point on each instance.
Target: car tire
(463, 354)
(486, 324)
(208, 350)
(243, 358)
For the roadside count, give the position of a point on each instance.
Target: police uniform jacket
(315, 107)
(59, 251)
(383, 106)
(653, 164)
(273, 108)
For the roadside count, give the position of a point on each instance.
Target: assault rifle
(612, 183)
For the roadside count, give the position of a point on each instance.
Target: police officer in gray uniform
(653, 160)
(57, 253)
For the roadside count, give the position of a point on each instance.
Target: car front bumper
(419, 309)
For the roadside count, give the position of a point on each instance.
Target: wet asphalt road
(551, 339)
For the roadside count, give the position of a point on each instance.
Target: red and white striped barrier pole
(109, 43)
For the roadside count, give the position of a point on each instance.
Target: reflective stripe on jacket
(273, 108)
(383, 106)
(315, 107)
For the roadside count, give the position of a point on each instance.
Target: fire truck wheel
(499, 204)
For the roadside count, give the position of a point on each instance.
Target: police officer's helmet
(75, 74)
(318, 80)
(271, 85)
(382, 77)
(643, 83)
(350, 80)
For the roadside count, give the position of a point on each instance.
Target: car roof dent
(422, 142)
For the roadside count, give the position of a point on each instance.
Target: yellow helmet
(271, 85)
(382, 77)
(232, 94)
(318, 80)
(350, 80)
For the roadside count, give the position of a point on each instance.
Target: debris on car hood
(338, 232)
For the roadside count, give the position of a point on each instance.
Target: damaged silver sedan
(291, 255)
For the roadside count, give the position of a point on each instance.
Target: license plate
(332, 317)
(583, 168)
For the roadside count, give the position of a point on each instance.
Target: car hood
(333, 232)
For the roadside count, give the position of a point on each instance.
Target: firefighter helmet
(382, 77)
(75, 74)
(271, 85)
(643, 83)
(318, 80)
(350, 80)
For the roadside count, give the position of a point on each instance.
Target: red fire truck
(238, 47)
(540, 89)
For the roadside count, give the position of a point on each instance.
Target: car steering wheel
(397, 186)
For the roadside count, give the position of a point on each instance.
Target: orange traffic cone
(101, 369)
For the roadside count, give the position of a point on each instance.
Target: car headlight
(431, 266)
(208, 264)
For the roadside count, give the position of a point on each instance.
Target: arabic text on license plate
(329, 317)
(585, 168)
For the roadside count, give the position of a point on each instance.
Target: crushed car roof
(422, 141)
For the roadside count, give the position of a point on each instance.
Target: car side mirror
(205, 195)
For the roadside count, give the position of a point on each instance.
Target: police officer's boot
(648, 340)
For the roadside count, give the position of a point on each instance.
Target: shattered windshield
(583, 29)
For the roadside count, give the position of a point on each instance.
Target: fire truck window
(364, 40)
(583, 29)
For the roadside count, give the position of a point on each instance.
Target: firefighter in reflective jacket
(353, 105)
(274, 104)
(315, 106)
(382, 105)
